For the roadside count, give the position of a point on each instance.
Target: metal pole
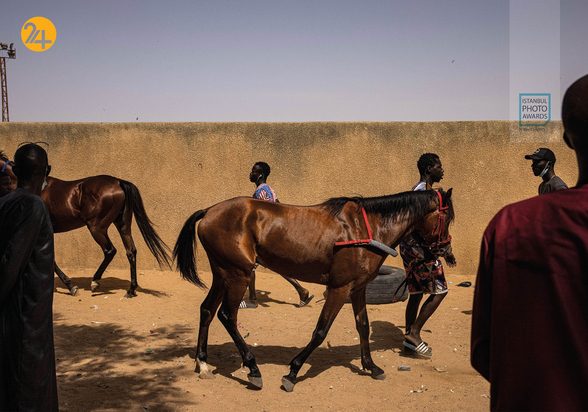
(4, 87)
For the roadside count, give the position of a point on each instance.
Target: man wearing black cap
(543, 163)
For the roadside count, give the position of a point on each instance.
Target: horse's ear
(448, 194)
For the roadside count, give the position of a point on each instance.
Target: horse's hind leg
(208, 309)
(73, 289)
(123, 224)
(101, 237)
(333, 304)
(228, 316)
(362, 324)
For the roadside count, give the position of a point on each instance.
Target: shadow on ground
(385, 336)
(103, 367)
(108, 286)
(264, 299)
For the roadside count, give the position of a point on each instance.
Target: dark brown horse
(299, 242)
(97, 202)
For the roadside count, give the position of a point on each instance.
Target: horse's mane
(392, 207)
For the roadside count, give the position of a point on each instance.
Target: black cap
(542, 153)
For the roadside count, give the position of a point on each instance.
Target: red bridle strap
(441, 217)
(440, 224)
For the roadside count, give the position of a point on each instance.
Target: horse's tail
(157, 247)
(184, 249)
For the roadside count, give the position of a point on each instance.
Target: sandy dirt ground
(117, 354)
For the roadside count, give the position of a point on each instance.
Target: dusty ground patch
(116, 354)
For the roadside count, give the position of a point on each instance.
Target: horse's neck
(394, 231)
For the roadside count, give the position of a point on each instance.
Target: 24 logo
(38, 34)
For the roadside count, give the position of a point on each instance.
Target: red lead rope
(358, 241)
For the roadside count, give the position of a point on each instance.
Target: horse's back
(256, 215)
(99, 182)
(227, 218)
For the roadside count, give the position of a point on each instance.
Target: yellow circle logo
(38, 34)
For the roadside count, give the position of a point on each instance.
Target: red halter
(440, 225)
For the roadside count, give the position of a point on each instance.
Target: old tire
(381, 290)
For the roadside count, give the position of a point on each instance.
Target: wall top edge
(270, 123)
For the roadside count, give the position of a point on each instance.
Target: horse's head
(435, 227)
(6, 167)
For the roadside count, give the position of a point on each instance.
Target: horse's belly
(61, 225)
(312, 271)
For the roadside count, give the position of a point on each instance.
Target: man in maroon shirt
(530, 317)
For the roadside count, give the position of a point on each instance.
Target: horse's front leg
(362, 324)
(333, 304)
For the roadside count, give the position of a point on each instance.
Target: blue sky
(116, 61)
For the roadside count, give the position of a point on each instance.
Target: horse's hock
(382, 289)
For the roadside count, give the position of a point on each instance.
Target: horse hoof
(130, 295)
(94, 286)
(256, 381)
(380, 377)
(73, 290)
(206, 375)
(288, 384)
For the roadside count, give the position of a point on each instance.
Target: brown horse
(97, 202)
(299, 242)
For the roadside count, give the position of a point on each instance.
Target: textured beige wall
(182, 167)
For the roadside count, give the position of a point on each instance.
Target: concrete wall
(182, 167)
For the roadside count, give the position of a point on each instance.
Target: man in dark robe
(27, 356)
(529, 323)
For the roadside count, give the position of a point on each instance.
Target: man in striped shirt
(258, 175)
